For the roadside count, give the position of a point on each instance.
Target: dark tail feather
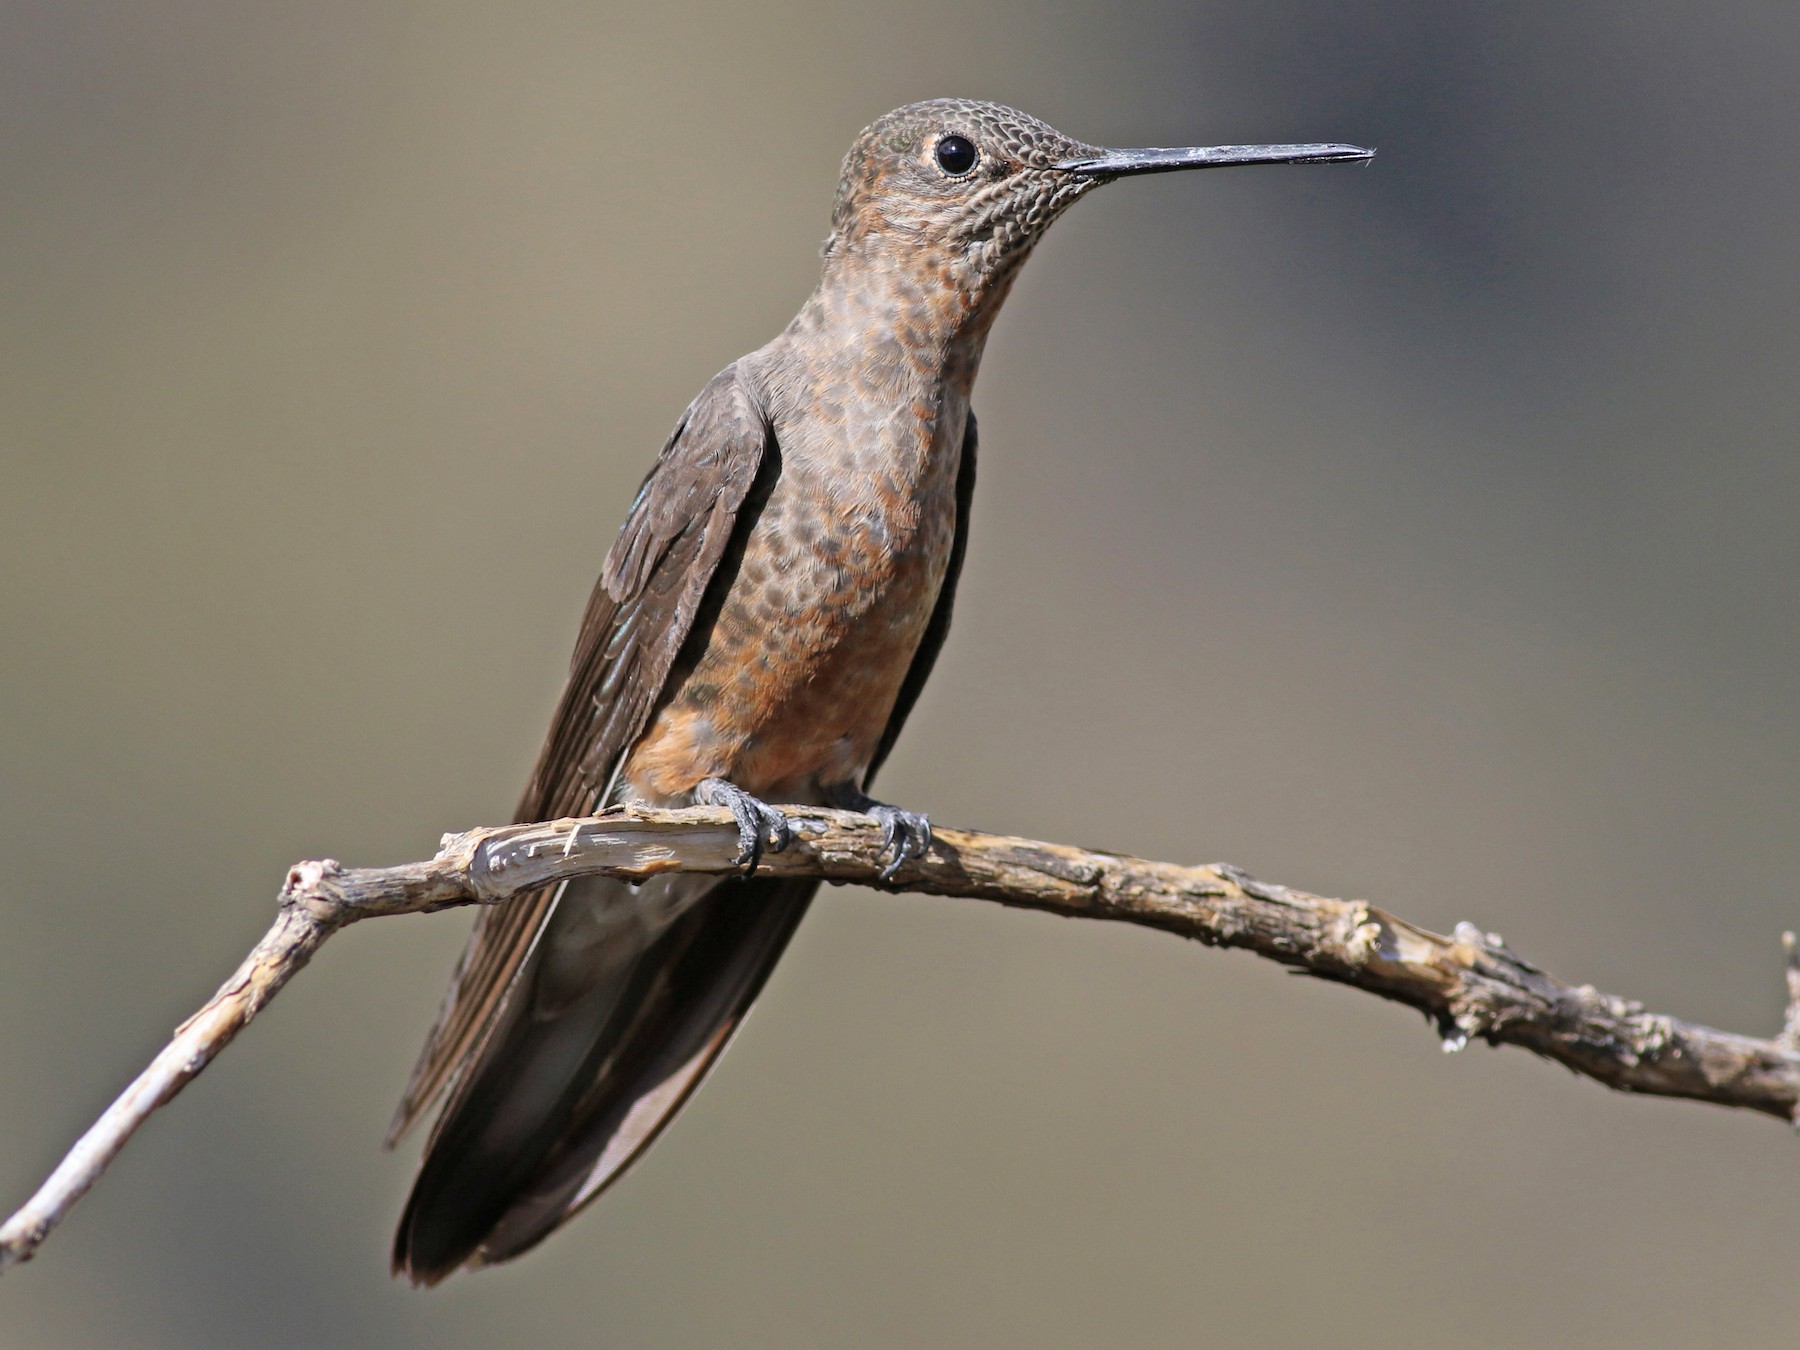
(561, 1102)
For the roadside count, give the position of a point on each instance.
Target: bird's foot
(905, 834)
(757, 821)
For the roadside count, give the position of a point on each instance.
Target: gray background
(1424, 533)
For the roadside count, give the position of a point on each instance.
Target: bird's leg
(756, 819)
(907, 834)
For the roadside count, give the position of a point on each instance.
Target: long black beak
(1118, 163)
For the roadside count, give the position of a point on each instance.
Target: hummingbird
(761, 628)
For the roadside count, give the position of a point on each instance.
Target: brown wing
(652, 585)
(589, 1062)
(939, 627)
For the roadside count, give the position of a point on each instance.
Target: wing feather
(652, 585)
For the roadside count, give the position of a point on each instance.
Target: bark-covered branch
(1470, 984)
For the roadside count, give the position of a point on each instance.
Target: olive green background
(1424, 533)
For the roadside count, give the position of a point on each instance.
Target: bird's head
(971, 186)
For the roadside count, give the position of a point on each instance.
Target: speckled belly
(801, 670)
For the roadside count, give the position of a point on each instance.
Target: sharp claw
(754, 818)
(781, 831)
(749, 840)
(904, 834)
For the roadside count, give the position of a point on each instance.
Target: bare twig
(1789, 1040)
(1469, 984)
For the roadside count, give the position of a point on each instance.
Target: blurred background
(1425, 533)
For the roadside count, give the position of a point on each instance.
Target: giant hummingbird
(762, 626)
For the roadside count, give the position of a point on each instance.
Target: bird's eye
(956, 155)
